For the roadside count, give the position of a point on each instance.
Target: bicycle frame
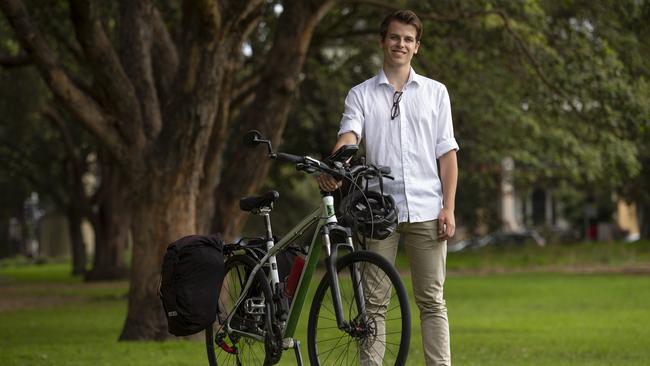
(322, 216)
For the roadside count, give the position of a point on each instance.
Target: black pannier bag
(192, 274)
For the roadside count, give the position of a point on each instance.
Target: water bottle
(294, 276)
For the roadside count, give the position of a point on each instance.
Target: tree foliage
(546, 83)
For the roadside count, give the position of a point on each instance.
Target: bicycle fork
(332, 274)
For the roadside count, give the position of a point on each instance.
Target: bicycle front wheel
(233, 347)
(377, 327)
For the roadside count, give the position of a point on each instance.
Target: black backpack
(192, 274)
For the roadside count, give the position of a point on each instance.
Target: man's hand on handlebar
(327, 183)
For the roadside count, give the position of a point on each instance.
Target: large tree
(154, 86)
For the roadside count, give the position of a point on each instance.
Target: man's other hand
(446, 224)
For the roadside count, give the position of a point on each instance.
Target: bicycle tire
(249, 351)
(339, 347)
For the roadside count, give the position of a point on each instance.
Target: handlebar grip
(289, 158)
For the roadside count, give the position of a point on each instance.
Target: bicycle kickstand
(296, 348)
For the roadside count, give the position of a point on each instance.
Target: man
(405, 120)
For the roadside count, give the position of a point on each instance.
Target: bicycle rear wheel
(232, 348)
(378, 334)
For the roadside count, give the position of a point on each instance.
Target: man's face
(400, 44)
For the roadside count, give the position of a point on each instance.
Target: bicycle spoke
(343, 335)
(333, 348)
(347, 347)
(330, 319)
(335, 327)
(331, 312)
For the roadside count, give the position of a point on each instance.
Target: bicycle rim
(366, 341)
(225, 348)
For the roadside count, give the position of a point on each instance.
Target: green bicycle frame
(321, 216)
(311, 261)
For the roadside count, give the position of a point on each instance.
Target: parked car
(499, 238)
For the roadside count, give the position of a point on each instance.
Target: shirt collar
(413, 77)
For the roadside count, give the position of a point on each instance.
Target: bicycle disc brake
(364, 329)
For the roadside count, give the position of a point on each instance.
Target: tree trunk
(644, 220)
(156, 224)
(112, 226)
(76, 238)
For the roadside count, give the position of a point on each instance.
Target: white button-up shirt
(410, 144)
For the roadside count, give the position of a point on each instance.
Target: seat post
(266, 214)
(273, 271)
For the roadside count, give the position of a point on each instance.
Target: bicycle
(350, 320)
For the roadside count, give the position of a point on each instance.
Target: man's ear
(417, 47)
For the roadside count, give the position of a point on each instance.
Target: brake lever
(301, 166)
(389, 177)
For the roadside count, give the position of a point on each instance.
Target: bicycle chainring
(273, 346)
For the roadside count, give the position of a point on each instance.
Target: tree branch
(136, 36)
(74, 157)
(70, 44)
(209, 54)
(201, 20)
(110, 74)
(201, 24)
(423, 15)
(83, 107)
(51, 114)
(529, 55)
(244, 89)
(165, 57)
(241, 14)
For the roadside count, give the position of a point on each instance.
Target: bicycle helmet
(369, 213)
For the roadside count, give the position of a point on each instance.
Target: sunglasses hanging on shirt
(394, 111)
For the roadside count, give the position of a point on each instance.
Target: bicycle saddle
(257, 202)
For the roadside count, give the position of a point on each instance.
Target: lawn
(512, 318)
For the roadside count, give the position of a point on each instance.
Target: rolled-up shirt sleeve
(353, 116)
(445, 140)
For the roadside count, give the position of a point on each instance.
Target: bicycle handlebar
(289, 158)
(334, 165)
(311, 165)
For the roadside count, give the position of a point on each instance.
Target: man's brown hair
(402, 16)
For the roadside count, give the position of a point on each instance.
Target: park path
(18, 296)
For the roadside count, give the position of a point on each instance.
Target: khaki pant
(427, 258)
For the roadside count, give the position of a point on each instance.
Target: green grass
(38, 273)
(580, 256)
(496, 319)
(550, 319)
